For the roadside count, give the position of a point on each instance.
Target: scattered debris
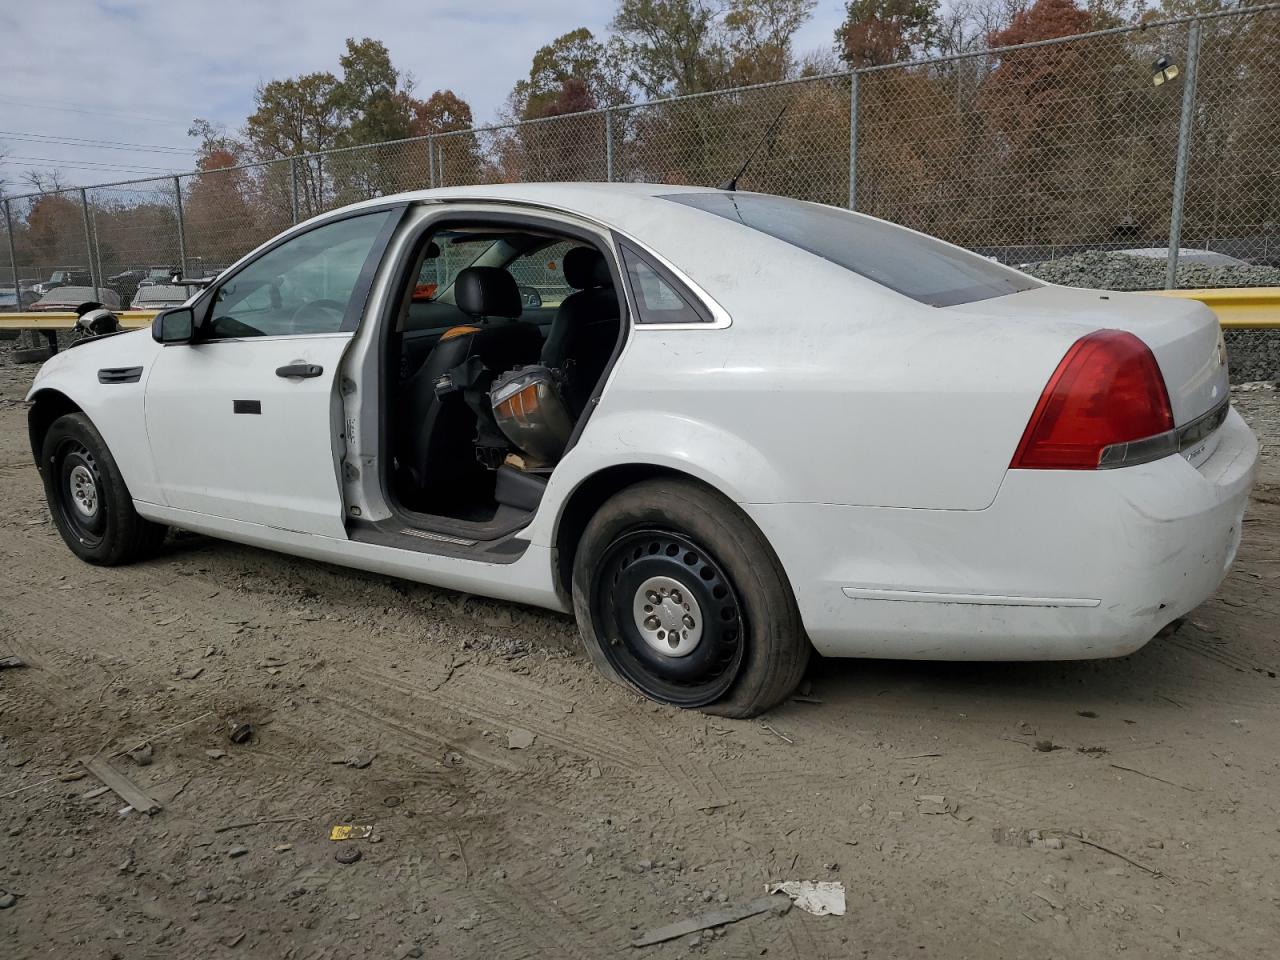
(933, 804)
(95, 793)
(819, 897)
(519, 738)
(7, 900)
(392, 801)
(1093, 751)
(807, 700)
(357, 761)
(1129, 860)
(238, 731)
(780, 736)
(712, 804)
(142, 755)
(348, 855)
(1152, 776)
(714, 918)
(350, 831)
(1046, 746)
(215, 754)
(1087, 714)
(237, 852)
(125, 788)
(11, 663)
(71, 776)
(191, 673)
(255, 823)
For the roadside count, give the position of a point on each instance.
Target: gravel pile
(1253, 354)
(1102, 270)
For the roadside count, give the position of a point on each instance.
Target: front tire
(680, 597)
(88, 499)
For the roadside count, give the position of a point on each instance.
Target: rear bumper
(1063, 564)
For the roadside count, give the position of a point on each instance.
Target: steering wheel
(328, 310)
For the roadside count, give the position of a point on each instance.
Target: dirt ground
(411, 709)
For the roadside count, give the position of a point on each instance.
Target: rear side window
(914, 265)
(658, 298)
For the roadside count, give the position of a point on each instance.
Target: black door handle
(299, 370)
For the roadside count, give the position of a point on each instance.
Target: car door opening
(502, 336)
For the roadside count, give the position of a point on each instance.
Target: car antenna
(732, 182)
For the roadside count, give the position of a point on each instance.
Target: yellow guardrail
(1241, 308)
(66, 319)
(1238, 308)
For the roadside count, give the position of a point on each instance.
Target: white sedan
(724, 429)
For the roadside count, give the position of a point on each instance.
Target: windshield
(167, 292)
(920, 267)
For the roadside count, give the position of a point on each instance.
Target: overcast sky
(135, 72)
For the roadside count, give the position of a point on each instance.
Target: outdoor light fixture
(1163, 69)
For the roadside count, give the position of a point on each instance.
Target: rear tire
(680, 597)
(88, 499)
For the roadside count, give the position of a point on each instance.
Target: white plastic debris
(819, 897)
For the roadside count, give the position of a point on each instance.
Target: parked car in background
(12, 299)
(157, 296)
(126, 284)
(756, 427)
(68, 298)
(64, 277)
(158, 275)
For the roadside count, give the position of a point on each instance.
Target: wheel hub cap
(667, 616)
(84, 491)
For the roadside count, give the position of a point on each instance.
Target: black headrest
(487, 292)
(585, 267)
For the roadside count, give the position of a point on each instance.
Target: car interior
(502, 337)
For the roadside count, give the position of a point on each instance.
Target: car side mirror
(174, 326)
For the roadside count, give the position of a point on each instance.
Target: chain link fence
(1026, 153)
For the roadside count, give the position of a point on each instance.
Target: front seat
(438, 429)
(585, 329)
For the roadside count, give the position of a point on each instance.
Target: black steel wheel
(79, 500)
(670, 616)
(88, 499)
(679, 596)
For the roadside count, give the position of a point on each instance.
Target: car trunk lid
(1183, 335)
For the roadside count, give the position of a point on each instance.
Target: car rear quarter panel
(825, 388)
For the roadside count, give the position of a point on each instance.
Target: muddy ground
(386, 703)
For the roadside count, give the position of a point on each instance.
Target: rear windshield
(916, 266)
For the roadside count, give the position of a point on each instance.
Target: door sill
(501, 545)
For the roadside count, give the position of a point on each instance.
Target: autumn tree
(876, 32)
(577, 58)
(459, 156)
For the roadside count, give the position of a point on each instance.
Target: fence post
(431, 162)
(853, 140)
(440, 164)
(88, 243)
(608, 144)
(182, 227)
(293, 182)
(13, 256)
(1184, 153)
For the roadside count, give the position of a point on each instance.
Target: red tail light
(1107, 390)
